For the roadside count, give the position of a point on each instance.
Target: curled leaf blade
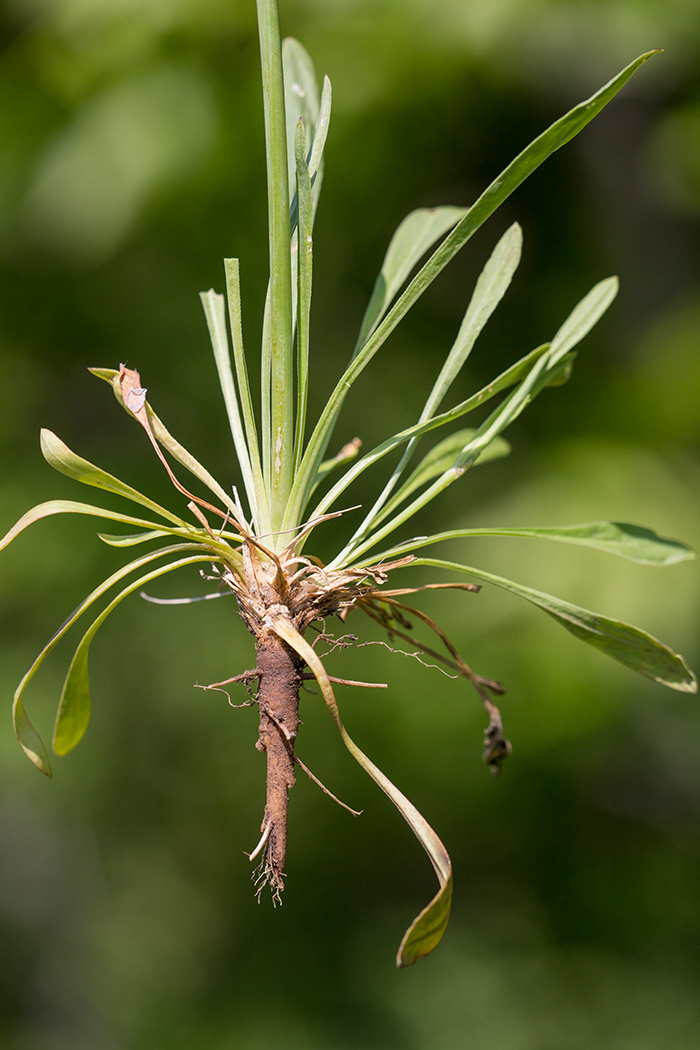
(427, 929)
(29, 740)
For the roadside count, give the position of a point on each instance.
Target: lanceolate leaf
(510, 377)
(490, 288)
(74, 709)
(427, 929)
(59, 456)
(556, 136)
(583, 317)
(509, 409)
(414, 236)
(215, 313)
(301, 99)
(553, 362)
(616, 537)
(23, 726)
(440, 459)
(629, 645)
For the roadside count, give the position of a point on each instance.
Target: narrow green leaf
(304, 278)
(233, 288)
(440, 459)
(74, 709)
(131, 539)
(59, 456)
(515, 374)
(30, 741)
(633, 542)
(629, 645)
(301, 99)
(280, 317)
(553, 363)
(62, 506)
(302, 103)
(583, 317)
(490, 288)
(500, 189)
(499, 419)
(414, 236)
(493, 283)
(215, 313)
(168, 442)
(426, 931)
(320, 134)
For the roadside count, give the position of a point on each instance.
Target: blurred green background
(132, 163)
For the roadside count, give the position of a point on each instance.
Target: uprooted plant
(253, 543)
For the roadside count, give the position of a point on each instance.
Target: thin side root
(266, 829)
(355, 812)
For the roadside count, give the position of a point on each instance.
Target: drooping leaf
(131, 539)
(414, 236)
(30, 741)
(20, 716)
(74, 709)
(426, 930)
(627, 644)
(63, 506)
(59, 456)
(633, 542)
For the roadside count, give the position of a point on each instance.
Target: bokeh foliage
(132, 164)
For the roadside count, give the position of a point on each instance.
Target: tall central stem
(280, 327)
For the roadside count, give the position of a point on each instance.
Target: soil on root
(279, 669)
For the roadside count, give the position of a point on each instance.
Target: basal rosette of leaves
(256, 543)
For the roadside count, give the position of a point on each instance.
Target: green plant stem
(279, 468)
